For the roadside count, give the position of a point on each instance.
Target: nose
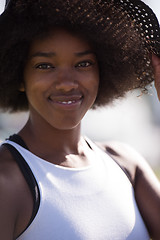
(66, 81)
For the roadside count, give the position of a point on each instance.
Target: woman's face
(61, 79)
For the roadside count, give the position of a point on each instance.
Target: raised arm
(156, 68)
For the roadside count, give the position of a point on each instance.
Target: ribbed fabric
(90, 203)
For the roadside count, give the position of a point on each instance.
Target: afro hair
(123, 58)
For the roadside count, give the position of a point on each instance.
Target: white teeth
(68, 102)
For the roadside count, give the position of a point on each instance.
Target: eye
(44, 66)
(84, 64)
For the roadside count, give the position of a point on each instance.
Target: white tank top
(90, 203)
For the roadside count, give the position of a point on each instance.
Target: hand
(156, 68)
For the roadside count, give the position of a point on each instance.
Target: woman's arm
(145, 183)
(16, 202)
(147, 194)
(8, 210)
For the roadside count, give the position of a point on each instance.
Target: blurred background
(134, 120)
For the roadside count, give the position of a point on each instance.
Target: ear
(22, 88)
(156, 69)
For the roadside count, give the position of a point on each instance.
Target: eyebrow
(79, 54)
(43, 54)
(52, 54)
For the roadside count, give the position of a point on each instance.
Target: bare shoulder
(8, 196)
(8, 172)
(13, 190)
(126, 156)
(130, 160)
(145, 183)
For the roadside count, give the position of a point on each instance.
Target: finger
(155, 62)
(156, 68)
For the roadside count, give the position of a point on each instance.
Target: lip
(66, 102)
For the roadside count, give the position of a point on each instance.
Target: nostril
(66, 85)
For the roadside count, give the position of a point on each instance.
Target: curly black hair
(122, 55)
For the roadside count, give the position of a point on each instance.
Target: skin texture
(58, 73)
(61, 80)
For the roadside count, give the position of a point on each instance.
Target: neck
(46, 139)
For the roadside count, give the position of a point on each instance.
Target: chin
(70, 125)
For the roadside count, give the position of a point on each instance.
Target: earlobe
(22, 89)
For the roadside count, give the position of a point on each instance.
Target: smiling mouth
(66, 100)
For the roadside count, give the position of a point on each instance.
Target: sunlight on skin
(156, 67)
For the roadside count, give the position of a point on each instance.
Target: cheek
(35, 83)
(95, 81)
(93, 78)
(93, 86)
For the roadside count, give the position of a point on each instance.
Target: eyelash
(84, 64)
(46, 66)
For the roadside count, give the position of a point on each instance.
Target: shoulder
(9, 196)
(14, 191)
(11, 178)
(126, 156)
(8, 169)
(146, 185)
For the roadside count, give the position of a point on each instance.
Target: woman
(60, 58)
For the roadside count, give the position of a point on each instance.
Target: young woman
(59, 59)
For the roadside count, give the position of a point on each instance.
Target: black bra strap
(17, 139)
(29, 177)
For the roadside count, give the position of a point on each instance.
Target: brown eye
(84, 64)
(44, 66)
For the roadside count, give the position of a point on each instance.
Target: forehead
(60, 39)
